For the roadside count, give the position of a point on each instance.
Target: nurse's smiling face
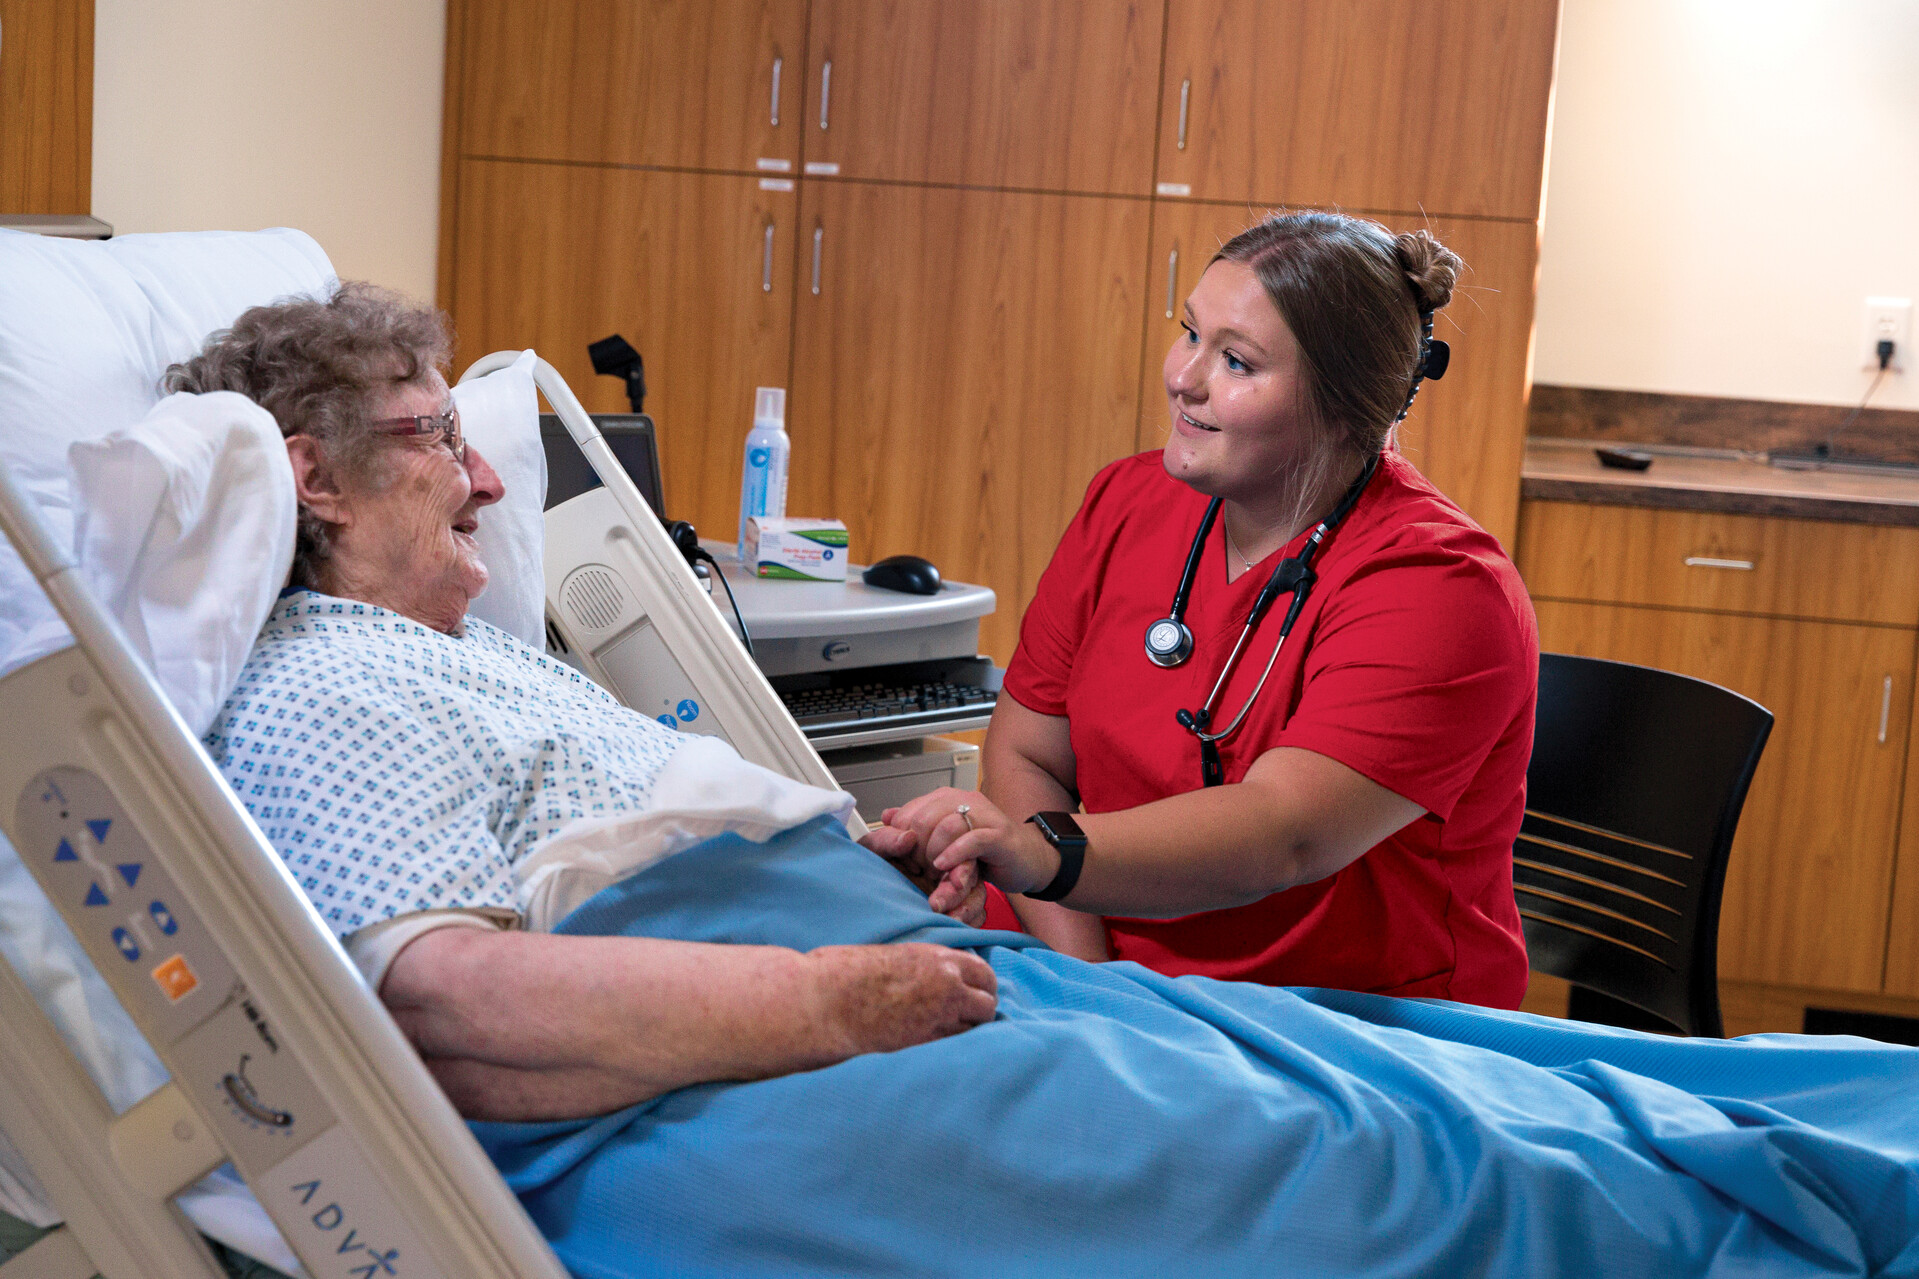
(1234, 388)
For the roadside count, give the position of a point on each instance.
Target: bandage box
(800, 550)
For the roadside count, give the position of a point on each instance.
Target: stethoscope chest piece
(1169, 642)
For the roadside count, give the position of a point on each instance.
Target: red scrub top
(1415, 662)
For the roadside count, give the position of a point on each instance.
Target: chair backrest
(1632, 797)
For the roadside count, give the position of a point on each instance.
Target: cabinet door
(1055, 96)
(695, 270)
(964, 361)
(675, 83)
(1811, 869)
(1902, 938)
(46, 106)
(1467, 431)
(1407, 105)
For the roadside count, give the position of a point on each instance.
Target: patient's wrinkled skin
(406, 544)
(533, 1026)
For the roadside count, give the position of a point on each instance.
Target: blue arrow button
(99, 827)
(129, 871)
(65, 853)
(164, 918)
(95, 897)
(128, 947)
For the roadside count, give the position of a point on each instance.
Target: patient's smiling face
(404, 540)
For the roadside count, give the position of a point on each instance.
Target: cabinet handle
(766, 261)
(777, 64)
(1185, 96)
(826, 90)
(819, 239)
(1885, 708)
(1172, 280)
(1709, 561)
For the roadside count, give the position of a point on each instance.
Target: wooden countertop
(1566, 470)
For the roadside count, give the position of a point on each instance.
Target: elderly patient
(452, 751)
(763, 1052)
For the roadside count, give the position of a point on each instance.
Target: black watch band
(1064, 834)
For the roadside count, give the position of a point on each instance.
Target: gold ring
(966, 811)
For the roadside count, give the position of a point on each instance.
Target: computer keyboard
(858, 704)
(915, 697)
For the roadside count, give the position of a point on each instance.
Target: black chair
(1632, 797)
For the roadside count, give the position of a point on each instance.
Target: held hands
(875, 999)
(1013, 856)
(958, 892)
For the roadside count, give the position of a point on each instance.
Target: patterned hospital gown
(399, 769)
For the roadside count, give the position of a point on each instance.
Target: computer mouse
(907, 573)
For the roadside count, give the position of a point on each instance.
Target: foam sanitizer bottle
(763, 472)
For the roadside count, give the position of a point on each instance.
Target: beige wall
(238, 114)
(1729, 180)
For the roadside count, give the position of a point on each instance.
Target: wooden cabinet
(1409, 105)
(965, 364)
(46, 106)
(980, 174)
(1056, 96)
(695, 269)
(706, 84)
(1724, 563)
(1902, 933)
(1466, 431)
(1808, 886)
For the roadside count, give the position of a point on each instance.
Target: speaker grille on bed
(593, 597)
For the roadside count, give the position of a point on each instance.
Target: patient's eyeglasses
(434, 428)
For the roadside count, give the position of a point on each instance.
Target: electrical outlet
(1888, 318)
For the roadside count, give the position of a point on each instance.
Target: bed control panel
(165, 965)
(93, 862)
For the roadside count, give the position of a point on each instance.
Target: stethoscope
(1169, 641)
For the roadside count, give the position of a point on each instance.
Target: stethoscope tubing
(1232, 662)
(1299, 567)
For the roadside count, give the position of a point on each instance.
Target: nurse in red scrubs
(1168, 784)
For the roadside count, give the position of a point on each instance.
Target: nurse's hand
(958, 893)
(1012, 856)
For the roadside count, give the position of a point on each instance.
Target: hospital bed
(279, 1063)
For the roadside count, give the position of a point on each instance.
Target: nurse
(1319, 791)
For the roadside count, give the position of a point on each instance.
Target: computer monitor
(629, 435)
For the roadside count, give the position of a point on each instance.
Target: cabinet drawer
(1728, 563)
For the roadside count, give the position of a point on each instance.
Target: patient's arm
(532, 1026)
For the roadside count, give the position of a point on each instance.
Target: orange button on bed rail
(175, 978)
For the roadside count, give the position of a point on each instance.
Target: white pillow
(183, 529)
(500, 416)
(86, 330)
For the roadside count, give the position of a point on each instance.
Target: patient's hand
(959, 892)
(881, 998)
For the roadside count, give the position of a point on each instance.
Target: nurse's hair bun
(1431, 268)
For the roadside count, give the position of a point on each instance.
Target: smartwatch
(1064, 834)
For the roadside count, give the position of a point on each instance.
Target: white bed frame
(282, 1061)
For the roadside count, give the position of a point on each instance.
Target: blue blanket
(1112, 1121)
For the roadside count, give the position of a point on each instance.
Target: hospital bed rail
(282, 1060)
(728, 684)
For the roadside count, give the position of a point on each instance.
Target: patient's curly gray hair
(316, 367)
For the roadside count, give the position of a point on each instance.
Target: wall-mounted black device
(615, 357)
